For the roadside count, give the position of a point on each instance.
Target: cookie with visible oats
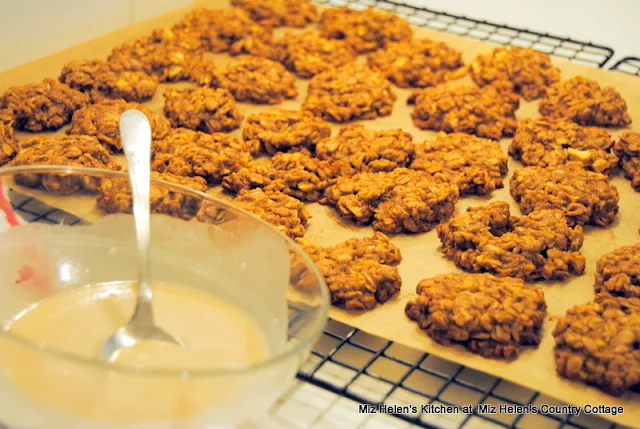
(489, 239)
(476, 165)
(177, 137)
(202, 109)
(491, 316)
(347, 93)
(258, 80)
(366, 30)
(42, 106)
(628, 149)
(102, 120)
(279, 13)
(546, 142)
(586, 198)
(418, 63)
(399, 201)
(285, 130)
(485, 112)
(584, 102)
(287, 214)
(598, 343)
(8, 143)
(114, 196)
(101, 80)
(360, 272)
(525, 71)
(618, 272)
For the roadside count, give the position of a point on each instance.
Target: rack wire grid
(629, 65)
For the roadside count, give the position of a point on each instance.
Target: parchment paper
(535, 368)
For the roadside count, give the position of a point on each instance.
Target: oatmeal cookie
(287, 214)
(522, 70)
(365, 30)
(280, 13)
(295, 174)
(618, 272)
(284, 130)
(8, 142)
(476, 165)
(101, 80)
(114, 196)
(102, 120)
(585, 197)
(597, 343)
(628, 149)
(75, 151)
(393, 202)
(359, 272)
(202, 109)
(351, 92)
(418, 63)
(584, 102)
(488, 239)
(358, 150)
(42, 106)
(492, 316)
(215, 141)
(485, 112)
(258, 80)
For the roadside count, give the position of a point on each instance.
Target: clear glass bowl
(197, 242)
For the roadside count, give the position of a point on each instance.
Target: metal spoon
(135, 133)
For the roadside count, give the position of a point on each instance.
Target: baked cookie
(285, 130)
(202, 109)
(585, 197)
(296, 174)
(279, 13)
(73, 151)
(42, 106)
(359, 272)
(177, 137)
(366, 30)
(350, 92)
(628, 150)
(400, 201)
(358, 150)
(114, 196)
(488, 239)
(549, 142)
(101, 80)
(485, 112)
(258, 80)
(618, 272)
(597, 344)
(418, 63)
(476, 165)
(584, 102)
(522, 70)
(491, 316)
(102, 120)
(287, 214)
(8, 142)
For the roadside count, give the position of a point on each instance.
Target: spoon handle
(135, 133)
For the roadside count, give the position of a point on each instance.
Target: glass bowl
(198, 242)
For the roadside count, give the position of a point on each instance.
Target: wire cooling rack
(629, 65)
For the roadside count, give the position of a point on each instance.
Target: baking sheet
(535, 368)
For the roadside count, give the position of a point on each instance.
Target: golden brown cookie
(8, 143)
(488, 239)
(628, 149)
(597, 344)
(279, 13)
(42, 106)
(522, 70)
(202, 109)
(492, 316)
(485, 112)
(359, 272)
(366, 30)
(350, 92)
(102, 120)
(584, 102)
(258, 80)
(177, 137)
(400, 201)
(418, 63)
(618, 272)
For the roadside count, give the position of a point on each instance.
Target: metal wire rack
(629, 65)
